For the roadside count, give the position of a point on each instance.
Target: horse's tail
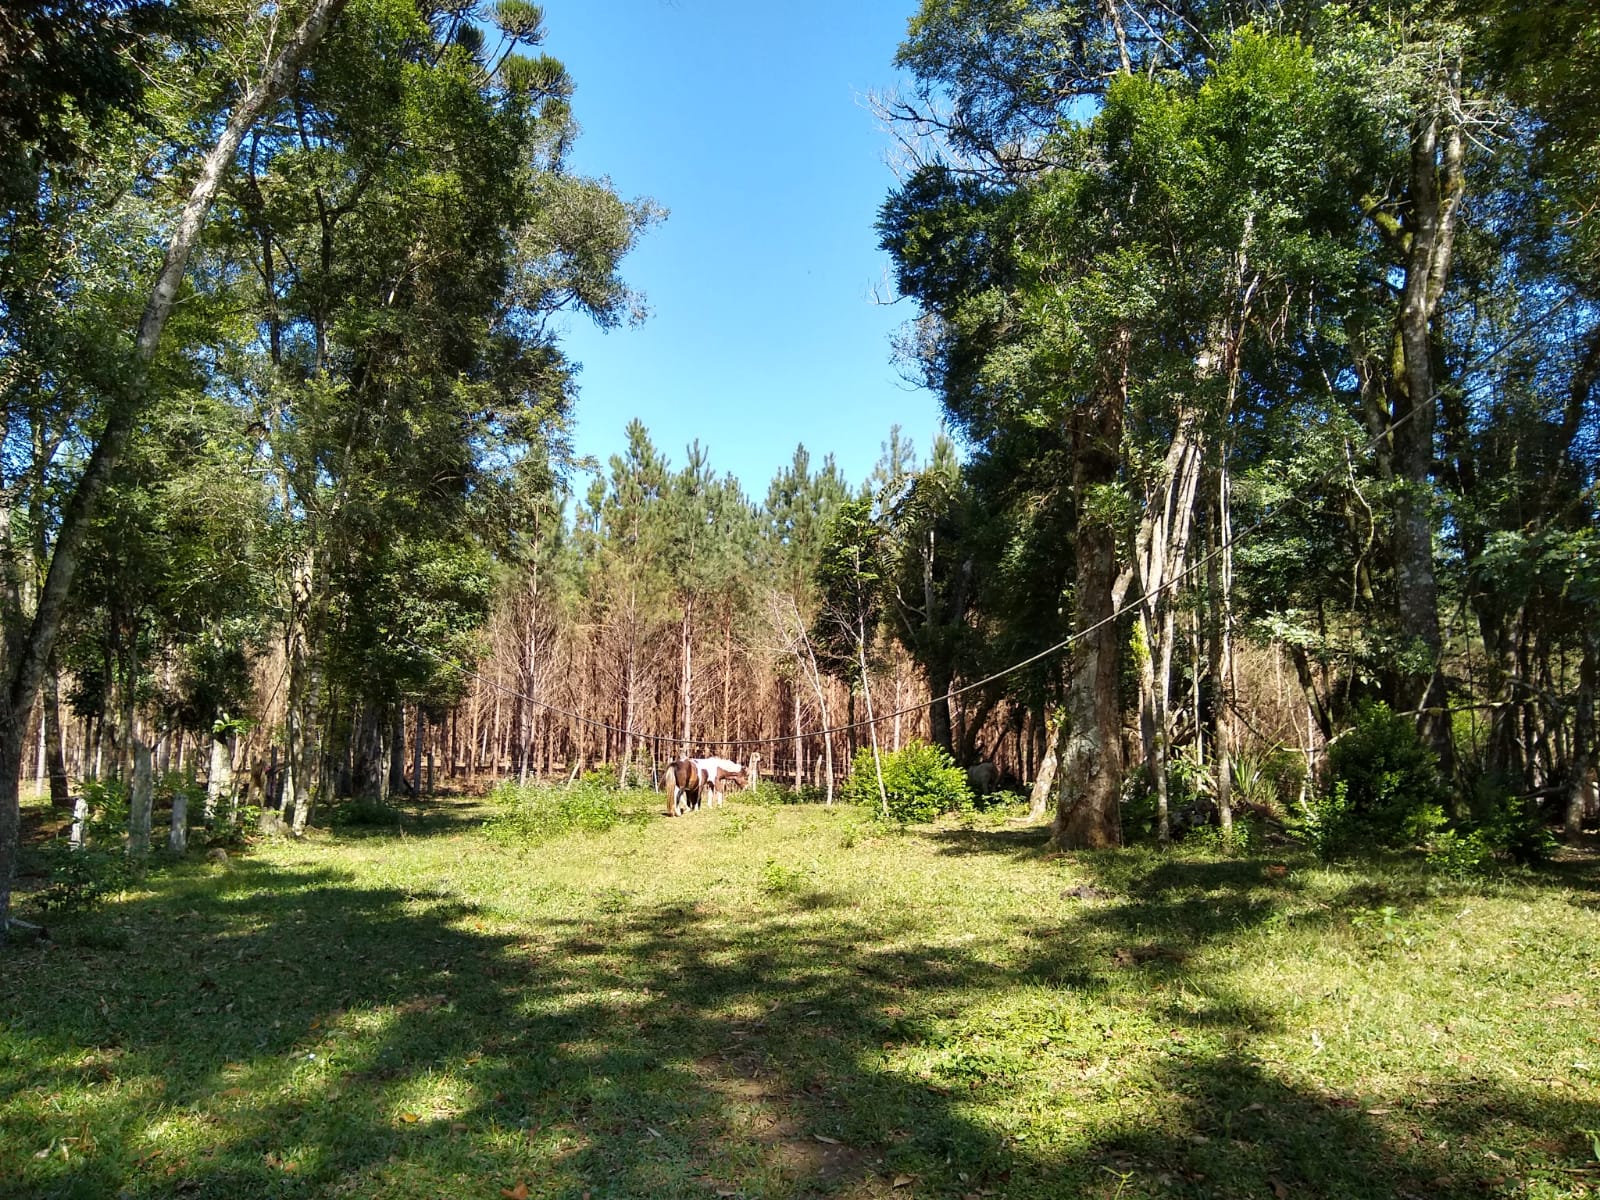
(670, 777)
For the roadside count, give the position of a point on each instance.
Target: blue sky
(769, 324)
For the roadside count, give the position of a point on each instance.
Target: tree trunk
(1436, 186)
(397, 749)
(1582, 782)
(1090, 753)
(1046, 778)
(219, 783)
(872, 725)
(55, 757)
(141, 799)
(416, 756)
(687, 679)
(178, 831)
(1221, 664)
(799, 742)
(1162, 557)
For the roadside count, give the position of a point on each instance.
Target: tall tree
(28, 653)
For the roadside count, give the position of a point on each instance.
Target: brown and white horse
(689, 781)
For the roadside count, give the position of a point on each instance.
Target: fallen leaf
(410, 1118)
(520, 1192)
(826, 1140)
(1279, 1189)
(901, 1181)
(1379, 1112)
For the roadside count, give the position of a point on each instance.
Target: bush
(1512, 831)
(80, 879)
(529, 815)
(1386, 789)
(767, 791)
(921, 781)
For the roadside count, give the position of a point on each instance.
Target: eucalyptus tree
(1109, 267)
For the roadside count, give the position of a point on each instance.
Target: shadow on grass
(273, 1032)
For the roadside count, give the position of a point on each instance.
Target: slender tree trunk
(687, 679)
(141, 799)
(55, 757)
(1221, 665)
(219, 783)
(1436, 185)
(799, 742)
(1582, 777)
(396, 765)
(1045, 780)
(178, 830)
(416, 755)
(872, 725)
(1163, 548)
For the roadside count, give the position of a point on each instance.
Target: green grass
(783, 1001)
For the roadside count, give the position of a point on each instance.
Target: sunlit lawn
(782, 1001)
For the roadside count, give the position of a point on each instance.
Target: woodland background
(1267, 335)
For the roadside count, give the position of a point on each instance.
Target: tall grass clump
(526, 814)
(921, 781)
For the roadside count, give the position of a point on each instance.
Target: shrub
(779, 881)
(920, 780)
(768, 791)
(528, 815)
(1512, 831)
(1386, 788)
(80, 879)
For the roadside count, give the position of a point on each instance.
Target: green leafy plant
(920, 781)
(1386, 791)
(529, 815)
(82, 877)
(778, 880)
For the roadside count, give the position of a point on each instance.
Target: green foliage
(1245, 838)
(1511, 832)
(770, 791)
(920, 780)
(779, 881)
(81, 879)
(530, 814)
(1328, 824)
(1390, 780)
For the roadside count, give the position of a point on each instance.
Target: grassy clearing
(769, 1002)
